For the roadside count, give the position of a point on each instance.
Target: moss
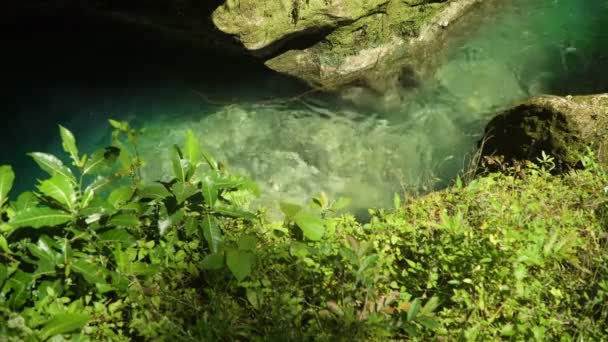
(260, 23)
(396, 19)
(561, 127)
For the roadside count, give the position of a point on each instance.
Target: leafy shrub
(96, 253)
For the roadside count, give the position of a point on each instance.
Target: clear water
(499, 56)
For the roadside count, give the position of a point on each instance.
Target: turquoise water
(499, 56)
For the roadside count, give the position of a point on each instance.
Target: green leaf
(312, 226)
(247, 242)
(213, 164)
(124, 157)
(124, 220)
(413, 309)
(90, 271)
(183, 191)
(428, 322)
(63, 323)
(170, 221)
(212, 233)
(7, 177)
(69, 144)
(60, 189)
(20, 284)
(101, 160)
(120, 196)
(210, 191)
(240, 263)
(4, 245)
(119, 125)
(213, 262)
(3, 274)
(45, 255)
(180, 165)
(89, 193)
(39, 217)
(341, 203)
(118, 235)
(25, 201)
(227, 182)
(290, 210)
(234, 211)
(430, 306)
(192, 149)
(154, 191)
(51, 165)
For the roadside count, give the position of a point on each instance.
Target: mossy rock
(332, 44)
(562, 127)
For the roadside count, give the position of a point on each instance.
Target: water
(295, 149)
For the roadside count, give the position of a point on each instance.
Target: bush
(96, 253)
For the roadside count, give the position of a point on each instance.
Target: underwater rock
(330, 44)
(562, 127)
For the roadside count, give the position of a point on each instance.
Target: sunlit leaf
(20, 283)
(234, 211)
(7, 177)
(60, 189)
(68, 142)
(212, 232)
(192, 149)
(90, 271)
(63, 323)
(313, 227)
(101, 160)
(95, 187)
(45, 255)
(119, 125)
(4, 245)
(179, 164)
(341, 203)
(25, 201)
(39, 217)
(51, 165)
(290, 210)
(183, 191)
(120, 196)
(172, 220)
(210, 191)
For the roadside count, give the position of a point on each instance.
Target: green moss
(397, 20)
(561, 127)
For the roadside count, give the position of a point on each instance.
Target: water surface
(293, 149)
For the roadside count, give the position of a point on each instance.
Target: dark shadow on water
(79, 71)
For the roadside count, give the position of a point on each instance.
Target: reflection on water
(296, 150)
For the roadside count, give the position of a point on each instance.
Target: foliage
(95, 242)
(96, 253)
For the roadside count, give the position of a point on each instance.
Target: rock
(333, 43)
(562, 127)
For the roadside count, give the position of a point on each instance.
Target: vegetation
(96, 253)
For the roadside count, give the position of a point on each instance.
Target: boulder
(333, 43)
(562, 127)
